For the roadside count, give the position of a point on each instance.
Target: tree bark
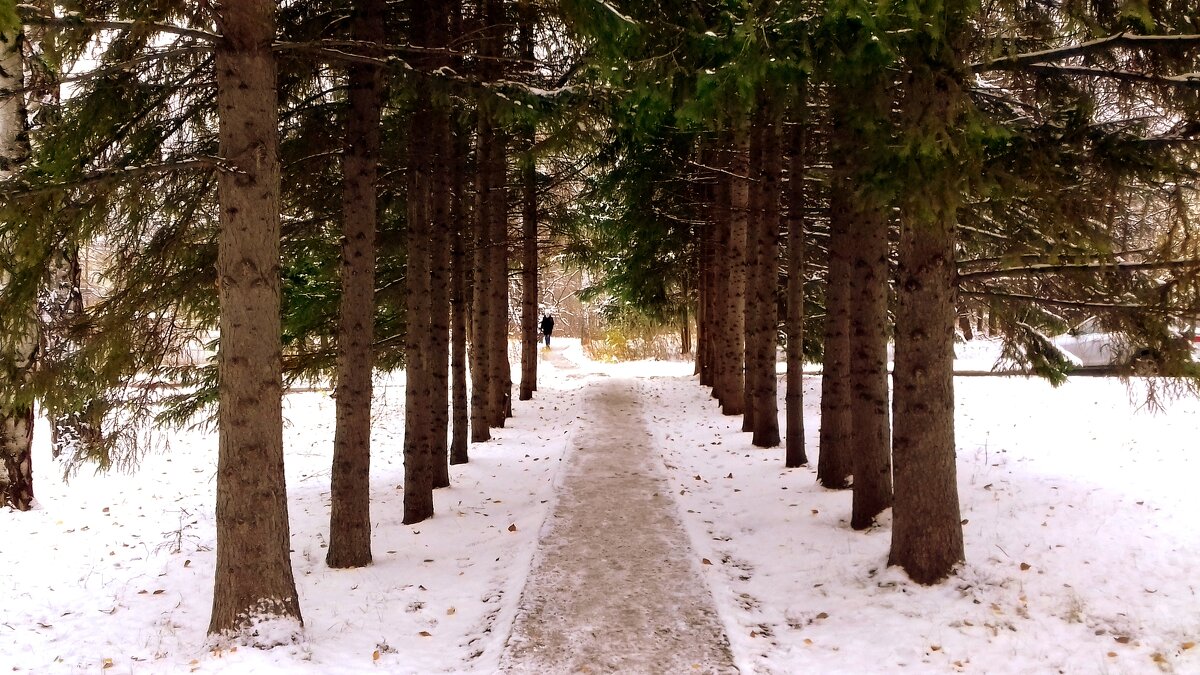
(439, 281)
(723, 348)
(927, 538)
(797, 201)
(18, 350)
(493, 167)
(529, 225)
(458, 304)
(350, 489)
(428, 212)
(734, 352)
(481, 310)
(861, 111)
(762, 312)
(253, 567)
(834, 457)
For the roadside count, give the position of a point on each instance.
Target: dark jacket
(547, 324)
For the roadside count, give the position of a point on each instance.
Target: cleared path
(615, 586)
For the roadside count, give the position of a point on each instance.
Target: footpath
(615, 586)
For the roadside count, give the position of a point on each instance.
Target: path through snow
(615, 584)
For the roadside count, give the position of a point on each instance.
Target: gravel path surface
(615, 586)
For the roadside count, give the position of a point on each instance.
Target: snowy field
(1080, 531)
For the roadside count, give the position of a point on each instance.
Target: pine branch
(1080, 304)
(1151, 42)
(118, 174)
(74, 21)
(1038, 269)
(1186, 79)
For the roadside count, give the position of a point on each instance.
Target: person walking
(547, 328)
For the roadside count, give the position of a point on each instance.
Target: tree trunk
(458, 304)
(755, 276)
(350, 491)
(428, 212)
(734, 353)
(795, 455)
(529, 228)
(861, 112)
(494, 167)
(705, 237)
(723, 348)
(927, 538)
(253, 568)
(834, 457)
(18, 350)
(765, 316)
(481, 309)
(439, 282)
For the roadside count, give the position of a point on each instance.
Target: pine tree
(350, 503)
(253, 567)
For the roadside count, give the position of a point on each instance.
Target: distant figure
(547, 328)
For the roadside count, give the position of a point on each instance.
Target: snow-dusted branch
(1185, 80)
(116, 174)
(74, 21)
(1097, 266)
(1081, 304)
(1150, 42)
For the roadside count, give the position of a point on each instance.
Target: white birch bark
(18, 347)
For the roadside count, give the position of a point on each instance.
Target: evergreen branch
(1019, 61)
(1186, 79)
(338, 55)
(1036, 269)
(123, 66)
(118, 174)
(76, 21)
(1081, 304)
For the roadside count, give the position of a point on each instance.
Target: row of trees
(193, 148)
(1029, 161)
(354, 179)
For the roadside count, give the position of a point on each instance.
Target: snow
(1080, 536)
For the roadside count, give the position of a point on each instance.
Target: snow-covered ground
(1080, 531)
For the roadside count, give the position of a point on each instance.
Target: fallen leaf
(935, 648)
(730, 475)
(375, 655)
(1024, 567)
(1112, 655)
(425, 633)
(187, 563)
(1187, 645)
(106, 664)
(1158, 658)
(512, 528)
(159, 592)
(705, 561)
(823, 615)
(451, 611)
(1122, 639)
(807, 641)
